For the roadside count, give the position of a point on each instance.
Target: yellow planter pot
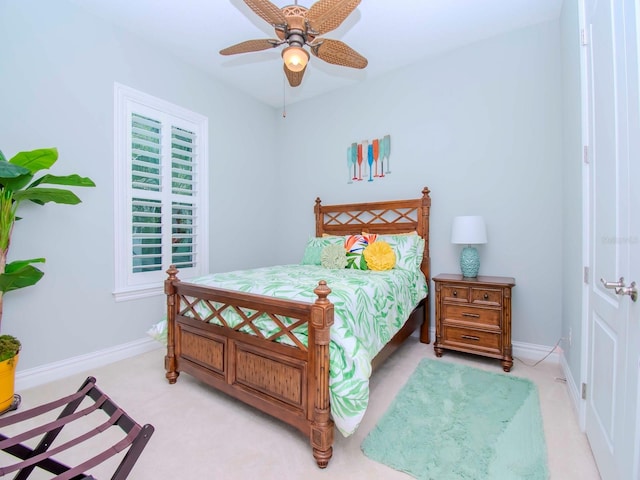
(7, 382)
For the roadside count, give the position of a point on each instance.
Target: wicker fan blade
(267, 11)
(295, 78)
(327, 15)
(249, 46)
(337, 53)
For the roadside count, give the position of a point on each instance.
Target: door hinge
(585, 154)
(584, 40)
(584, 391)
(586, 275)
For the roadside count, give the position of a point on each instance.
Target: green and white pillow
(409, 250)
(315, 245)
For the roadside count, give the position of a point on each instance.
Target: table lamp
(469, 231)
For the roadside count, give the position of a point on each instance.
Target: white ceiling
(389, 33)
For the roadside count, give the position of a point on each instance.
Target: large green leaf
(11, 171)
(18, 183)
(13, 177)
(45, 195)
(68, 180)
(20, 274)
(36, 160)
(16, 265)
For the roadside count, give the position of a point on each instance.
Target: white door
(614, 236)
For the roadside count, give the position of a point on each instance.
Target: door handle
(612, 285)
(621, 289)
(631, 290)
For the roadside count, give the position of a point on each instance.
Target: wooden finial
(426, 199)
(322, 291)
(172, 272)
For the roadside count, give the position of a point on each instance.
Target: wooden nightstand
(473, 315)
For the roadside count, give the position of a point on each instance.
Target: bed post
(321, 435)
(172, 306)
(426, 265)
(319, 217)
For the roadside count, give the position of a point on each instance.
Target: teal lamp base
(469, 262)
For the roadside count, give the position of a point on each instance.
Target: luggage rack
(135, 436)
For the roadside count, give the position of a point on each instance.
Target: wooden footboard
(290, 382)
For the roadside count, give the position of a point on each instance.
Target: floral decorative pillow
(379, 256)
(315, 245)
(355, 245)
(333, 257)
(409, 250)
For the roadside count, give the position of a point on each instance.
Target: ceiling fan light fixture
(295, 58)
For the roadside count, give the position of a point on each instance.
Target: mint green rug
(456, 422)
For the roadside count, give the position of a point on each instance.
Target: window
(160, 190)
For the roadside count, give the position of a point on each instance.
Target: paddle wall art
(369, 160)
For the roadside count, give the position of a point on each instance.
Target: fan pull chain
(284, 106)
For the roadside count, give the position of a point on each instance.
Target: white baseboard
(575, 393)
(37, 376)
(533, 353)
(34, 377)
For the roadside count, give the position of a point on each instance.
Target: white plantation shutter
(145, 153)
(146, 211)
(146, 223)
(161, 162)
(183, 209)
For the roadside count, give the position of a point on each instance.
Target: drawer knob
(486, 296)
(471, 337)
(455, 293)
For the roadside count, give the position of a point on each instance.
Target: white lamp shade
(469, 230)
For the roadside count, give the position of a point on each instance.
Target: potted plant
(17, 185)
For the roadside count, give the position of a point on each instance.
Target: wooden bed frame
(290, 383)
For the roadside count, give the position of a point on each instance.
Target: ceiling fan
(297, 26)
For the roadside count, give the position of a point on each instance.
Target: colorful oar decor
(351, 162)
(376, 152)
(373, 155)
(359, 162)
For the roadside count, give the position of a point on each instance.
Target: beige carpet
(210, 436)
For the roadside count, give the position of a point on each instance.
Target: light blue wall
(572, 264)
(481, 126)
(58, 67)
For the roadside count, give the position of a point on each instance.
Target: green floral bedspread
(370, 307)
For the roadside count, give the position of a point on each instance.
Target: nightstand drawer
(458, 336)
(486, 296)
(468, 314)
(454, 293)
